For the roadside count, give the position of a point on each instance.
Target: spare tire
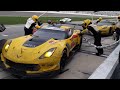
(2, 42)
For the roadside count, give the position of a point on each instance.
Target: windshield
(48, 34)
(104, 23)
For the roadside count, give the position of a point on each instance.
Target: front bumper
(22, 72)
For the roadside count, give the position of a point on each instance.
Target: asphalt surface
(82, 65)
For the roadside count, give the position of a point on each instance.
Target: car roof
(53, 28)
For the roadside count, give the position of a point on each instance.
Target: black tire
(63, 60)
(2, 42)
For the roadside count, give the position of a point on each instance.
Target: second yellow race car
(106, 27)
(43, 54)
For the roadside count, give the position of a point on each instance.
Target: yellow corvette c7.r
(43, 53)
(106, 27)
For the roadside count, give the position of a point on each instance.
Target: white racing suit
(30, 24)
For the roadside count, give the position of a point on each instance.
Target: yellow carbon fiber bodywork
(18, 53)
(105, 29)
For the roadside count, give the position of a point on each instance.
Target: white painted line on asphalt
(106, 69)
(13, 16)
(3, 35)
(30, 11)
(11, 26)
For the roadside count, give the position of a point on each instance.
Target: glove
(81, 34)
(37, 26)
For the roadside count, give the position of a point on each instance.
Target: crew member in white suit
(31, 23)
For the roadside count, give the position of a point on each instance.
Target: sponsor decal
(29, 45)
(72, 44)
(52, 42)
(74, 36)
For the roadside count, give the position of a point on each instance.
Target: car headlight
(47, 54)
(7, 45)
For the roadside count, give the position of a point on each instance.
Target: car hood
(26, 50)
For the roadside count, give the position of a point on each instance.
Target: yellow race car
(42, 54)
(106, 27)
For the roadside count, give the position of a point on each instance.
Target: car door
(72, 40)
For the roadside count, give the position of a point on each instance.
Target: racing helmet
(100, 18)
(87, 22)
(49, 22)
(35, 18)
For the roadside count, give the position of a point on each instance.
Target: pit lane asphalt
(82, 65)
